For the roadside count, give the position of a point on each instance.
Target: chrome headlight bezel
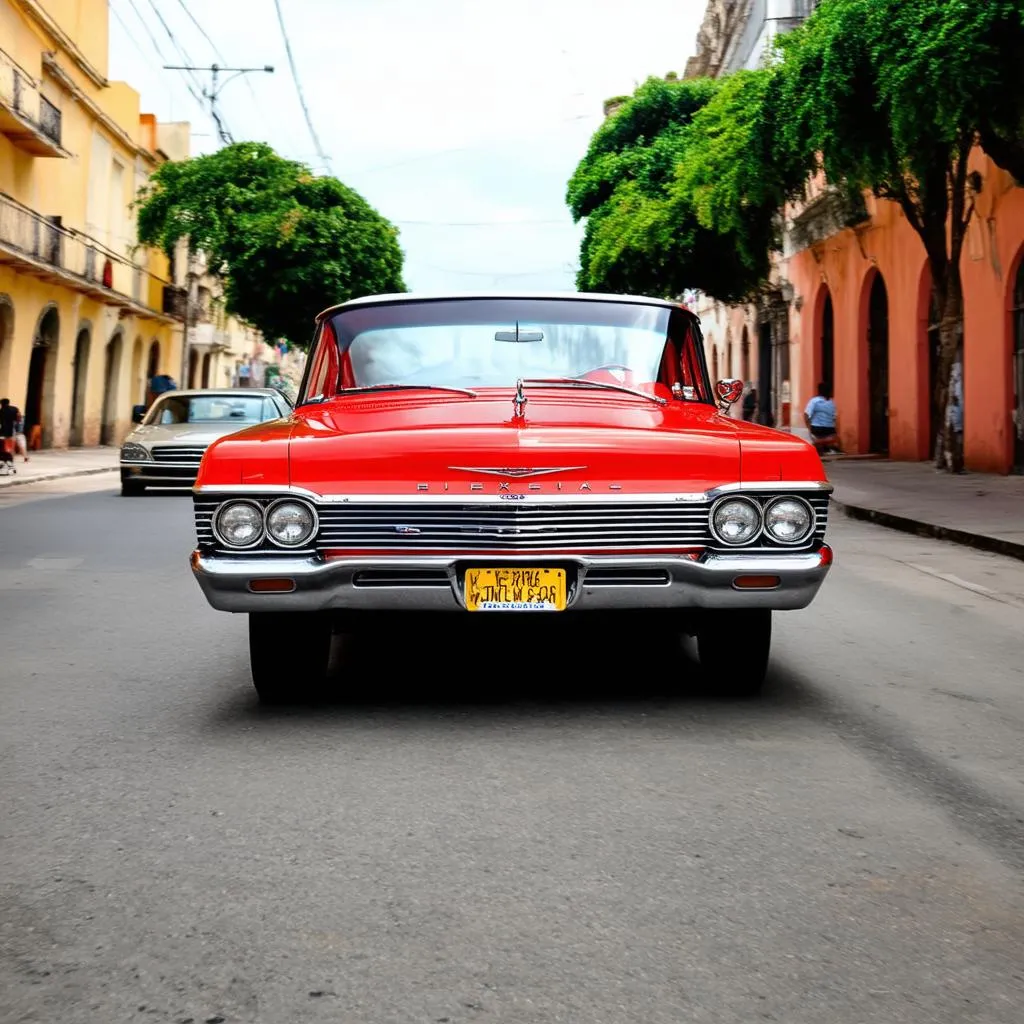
(741, 500)
(314, 519)
(812, 520)
(132, 451)
(221, 509)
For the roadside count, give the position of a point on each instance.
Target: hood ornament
(519, 402)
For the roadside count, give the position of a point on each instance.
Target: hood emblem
(516, 472)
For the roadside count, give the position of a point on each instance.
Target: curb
(58, 476)
(979, 541)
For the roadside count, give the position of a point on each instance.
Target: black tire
(734, 648)
(131, 488)
(288, 655)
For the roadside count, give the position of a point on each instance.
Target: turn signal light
(825, 556)
(756, 582)
(272, 586)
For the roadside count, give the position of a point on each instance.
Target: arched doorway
(828, 344)
(42, 372)
(1018, 370)
(193, 366)
(111, 376)
(714, 363)
(745, 354)
(80, 369)
(6, 343)
(152, 369)
(728, 358)
(206, 370)
(878, 368)
(138, 380)
(765, 378)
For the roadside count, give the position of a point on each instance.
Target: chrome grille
(181, 454)
(423, 527)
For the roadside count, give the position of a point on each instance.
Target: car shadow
(522, 671)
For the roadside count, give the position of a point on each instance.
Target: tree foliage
(681, 188)
(291, 243)
(894, 94)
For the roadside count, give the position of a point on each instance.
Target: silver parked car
(165, 449)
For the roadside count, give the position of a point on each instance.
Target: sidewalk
(56, 463)
(980, 510)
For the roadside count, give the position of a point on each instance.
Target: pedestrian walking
(820, 417)
(20, 441)
(750, 402)
(9, 417)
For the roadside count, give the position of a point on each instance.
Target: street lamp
(215, 89)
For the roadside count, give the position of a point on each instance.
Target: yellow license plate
(515, 590)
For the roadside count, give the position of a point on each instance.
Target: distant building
(849, 302)
(86, 319)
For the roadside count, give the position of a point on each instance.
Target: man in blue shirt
(820, 417)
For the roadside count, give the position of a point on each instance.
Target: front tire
(734, 648)
(131, 488)
(289, 654)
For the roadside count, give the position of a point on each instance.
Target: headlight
(291, 523)
(735, 521)
(131, 452)
(239, 524)
(788, 520)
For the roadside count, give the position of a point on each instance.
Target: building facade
(849, 303)
(86, 318)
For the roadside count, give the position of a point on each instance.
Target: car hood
(182, 433)
(568, 443)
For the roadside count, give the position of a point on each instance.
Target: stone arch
(824, 340)
(111, 377)
(80, 383)
(874, 346)
(40, 393)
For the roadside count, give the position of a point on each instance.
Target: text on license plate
(515, 590)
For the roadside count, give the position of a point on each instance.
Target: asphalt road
(580, 835)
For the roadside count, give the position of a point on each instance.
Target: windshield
(212, 409)
(494, 342)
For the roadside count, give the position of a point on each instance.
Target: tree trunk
(950, 296)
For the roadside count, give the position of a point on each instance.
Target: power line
(298, 88)
(220, 56)
(160, 52)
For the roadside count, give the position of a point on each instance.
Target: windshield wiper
(577, 383)
(405, 387)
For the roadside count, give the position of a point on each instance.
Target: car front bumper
(435, 583)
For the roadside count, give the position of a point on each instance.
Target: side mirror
(138, 413)
(728, 392)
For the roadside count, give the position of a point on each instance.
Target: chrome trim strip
(593, 496)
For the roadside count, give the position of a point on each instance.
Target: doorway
(111, 375)
(1018, 371)
(745, 355)
(828, 345)
(878, 368)
(42, 372)
(765, 382)
(205, 376)
(80, 369)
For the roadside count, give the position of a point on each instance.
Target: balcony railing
(26, 115)
(86, 263)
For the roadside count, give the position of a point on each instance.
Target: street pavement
(478, 832)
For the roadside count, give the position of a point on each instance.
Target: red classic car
(494, 454)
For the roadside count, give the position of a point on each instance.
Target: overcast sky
(460, 120)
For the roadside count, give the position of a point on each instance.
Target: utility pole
(216, 86)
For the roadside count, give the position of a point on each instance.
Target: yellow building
(85, 317)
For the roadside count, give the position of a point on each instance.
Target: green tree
(290, 243)
(893, 95)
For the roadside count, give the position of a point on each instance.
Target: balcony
(42, 247)
(27, 117)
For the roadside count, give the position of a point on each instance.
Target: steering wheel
(606, 369)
